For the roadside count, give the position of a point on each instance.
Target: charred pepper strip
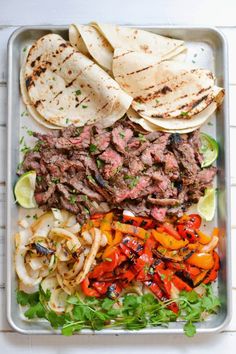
(214, 271)
(131, 230)
(168, 241)
(87, 290)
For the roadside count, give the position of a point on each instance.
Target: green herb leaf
(73, 199)
(55, 180)
(122, 135)
(100, 163)
(91, 179)
(27, 299)
(78, 92)
(142, 138)
(84, 107)
(92, 148)
(184, 113)
(189, 329)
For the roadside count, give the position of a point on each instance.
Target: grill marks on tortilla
(162, 88)
(54, 71)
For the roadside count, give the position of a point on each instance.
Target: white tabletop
(14, 13)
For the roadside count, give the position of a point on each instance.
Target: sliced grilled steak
(90, 169)
(121, 137)
(113, 161)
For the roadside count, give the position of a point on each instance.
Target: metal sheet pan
(207, 48)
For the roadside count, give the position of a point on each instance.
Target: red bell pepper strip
(163, 278)
(115, 259)
(126, 278)
(139, 221)
(169, 228)
(144, 262)
(97, 216)
(154, 287)
(214, 271)
(180, 284)
(187, 233)
(192, 221)
(126, 251)
(114, 291)
(88, 291)
(134, 244)
(101, 286)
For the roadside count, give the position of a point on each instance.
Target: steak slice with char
(121, 137)
(113, 161)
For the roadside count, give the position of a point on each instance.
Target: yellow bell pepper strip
(198, 279)
(168, 241)
(201, 260)
(117, 238)
(107, 252)
(215, 232)
(131, 230)
(214, 271)
(106, 222)
(109, 237)
(203, 238)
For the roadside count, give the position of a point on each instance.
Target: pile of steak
(89, 170)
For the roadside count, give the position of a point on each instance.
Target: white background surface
(15, 13)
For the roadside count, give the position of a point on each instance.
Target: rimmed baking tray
(206, 48)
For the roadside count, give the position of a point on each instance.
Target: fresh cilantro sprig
(131, 312)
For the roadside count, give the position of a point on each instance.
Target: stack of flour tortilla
(107, 71)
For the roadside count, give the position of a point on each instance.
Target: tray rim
(157, 330)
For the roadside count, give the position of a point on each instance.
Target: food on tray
(111, 244)
(24, 190)
(168, 94)
(113, 264)
(207, 204)
(95, 170)
(100, 41)
(209, 149)
(63, 87)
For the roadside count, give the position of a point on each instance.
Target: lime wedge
(209, 149)
(24, 190)
(207, 204)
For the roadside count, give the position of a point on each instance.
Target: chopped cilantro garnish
(92, 148)
(133, 180)
(25, 149)
(73, 199)
(39, 178)
(21, 140)
(83, 106)
(142, 138)
(184, 113)
(91, 179)
(122, 135)
(100, 163)
(55, 180)
(30, 132)
(78, 92)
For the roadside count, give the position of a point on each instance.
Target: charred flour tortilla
(89, 41)
(140, 40)
(166, 90)
(64, 87)
(100, 40)
(150, 127)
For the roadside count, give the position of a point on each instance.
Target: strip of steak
(92, 169)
